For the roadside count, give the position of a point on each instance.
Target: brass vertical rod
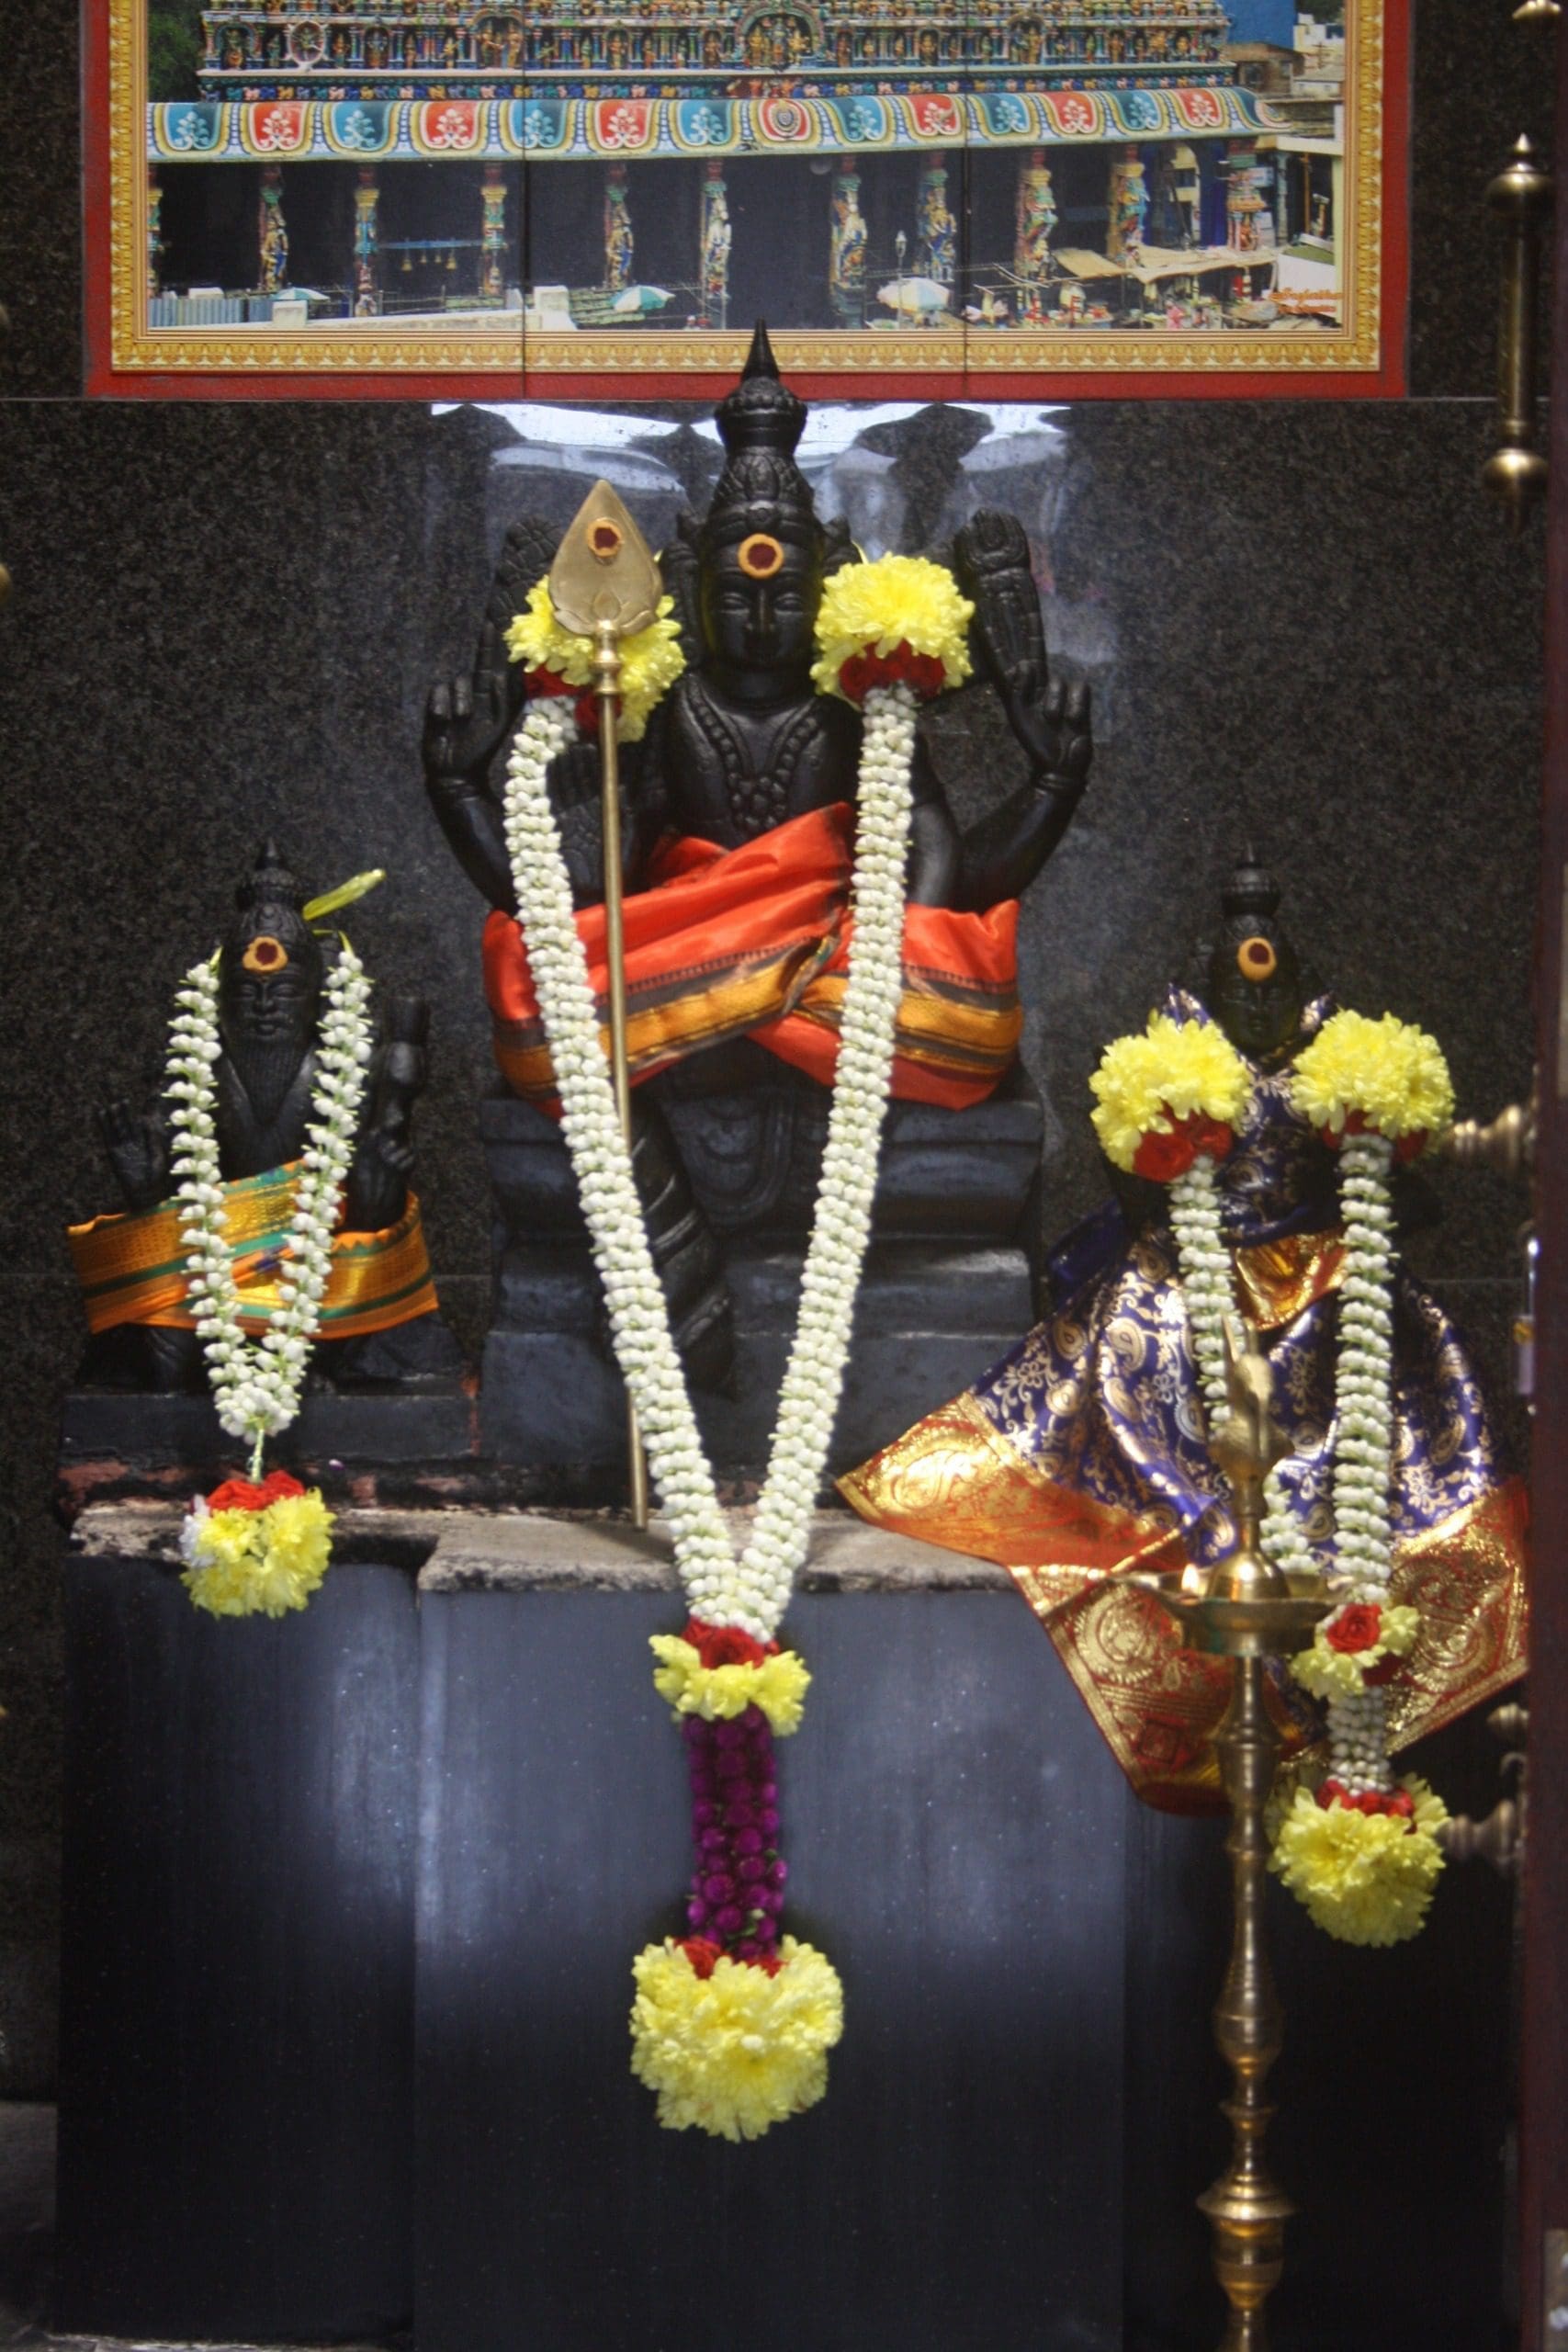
(606, 689)
(1246, 2207)
(1520, 196)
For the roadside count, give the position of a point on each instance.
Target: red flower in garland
(1408, 1147)
(924, 673)
(1397, 1802)
(1163, 1158)
(241, 1493)
(550, 682)
(726, 1645)
(1358, 1627)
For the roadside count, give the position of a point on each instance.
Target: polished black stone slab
(394, 1443)
(954, 1832)
(236, 2075)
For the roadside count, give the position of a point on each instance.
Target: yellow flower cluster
(1389, 1070)
(1329, 1673)
(1365, 1877)
(898, 600)
(260, 1563)
(778, 1685)
(650, 662)
(1170, 1070)
(738, 2051)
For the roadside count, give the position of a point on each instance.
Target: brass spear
(605, 586)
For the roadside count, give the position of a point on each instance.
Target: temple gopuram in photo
(893, 165)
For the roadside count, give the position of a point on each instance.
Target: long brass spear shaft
(606, 691)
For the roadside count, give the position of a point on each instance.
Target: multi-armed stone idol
(736, 827)
(379, 1321)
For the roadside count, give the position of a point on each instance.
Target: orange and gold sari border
(955, 1479)
(680, 1022)
(1467, 1577)
(978, 1033)
(132, 1267)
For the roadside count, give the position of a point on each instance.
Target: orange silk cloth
(954, 1480)
(754, 942)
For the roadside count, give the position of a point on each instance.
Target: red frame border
(1389, 380)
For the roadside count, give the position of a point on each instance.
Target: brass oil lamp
(1248, 1611)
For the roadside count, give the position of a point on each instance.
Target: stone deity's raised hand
(467, 719)
(383, 1160)
(1051, 722)
(138, 1147)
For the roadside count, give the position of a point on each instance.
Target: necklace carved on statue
(732, 2024)
(1361, 1851)
(259, 1545)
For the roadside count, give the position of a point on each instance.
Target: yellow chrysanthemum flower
(299, 1545)
(650, 662)
(251, 1563)
(1329, 1673)
(778, 1685)
(1389, 1070)
(1172, 1070)
(1365, 1877)
(739, 2051)
(898, 600)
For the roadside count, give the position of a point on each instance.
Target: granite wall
(1301, 624)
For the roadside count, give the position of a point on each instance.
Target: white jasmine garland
(1206, 1285)
(750, 1592)
(256, 1384)
(1363, 1450)
(1363, 1411)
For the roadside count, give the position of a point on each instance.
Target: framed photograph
(597, 197)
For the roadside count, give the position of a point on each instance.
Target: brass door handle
(1505, 1143)
(1521, 196)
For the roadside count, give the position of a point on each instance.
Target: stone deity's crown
(762, 488)
(268, 908)
(1251, 890)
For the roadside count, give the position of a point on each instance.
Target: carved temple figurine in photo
(738, 821)
(379, 1320)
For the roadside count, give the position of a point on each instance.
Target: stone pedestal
(948, 1285)
(960, 2184)
(351, 1903)
(236, 2079)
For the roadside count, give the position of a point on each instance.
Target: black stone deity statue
(271, 978)
(740, 746)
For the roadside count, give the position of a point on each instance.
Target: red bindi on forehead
(265, 955)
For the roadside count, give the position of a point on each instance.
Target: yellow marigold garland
(899, 600)
(1387, 1073)
(257, 1562)
(1172, 1070)
(1365, 1877)
(650, 662)
(778, 1685)
(730, 2048)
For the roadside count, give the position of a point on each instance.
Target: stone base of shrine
(927, 1323)
(949, 1282)
(351, 1903)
